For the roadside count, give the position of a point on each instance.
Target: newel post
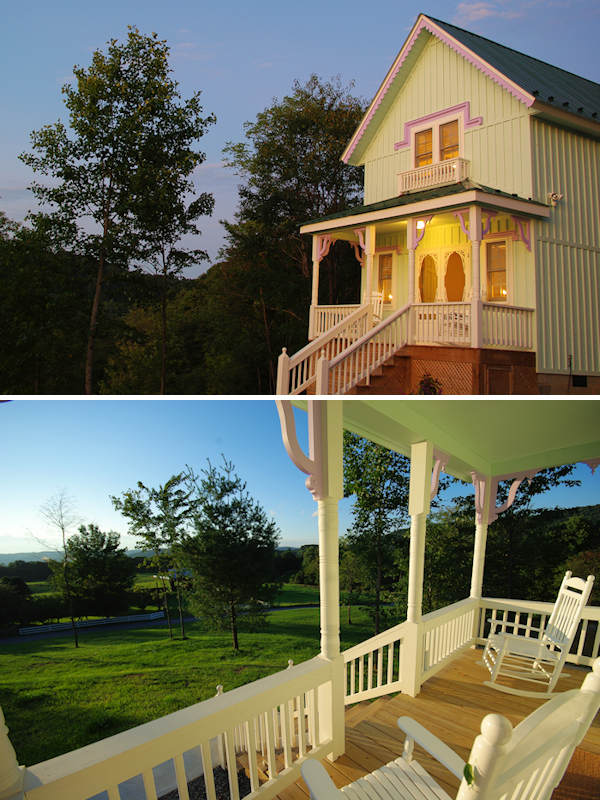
(283, 373)
(421, 463)
(11, 774)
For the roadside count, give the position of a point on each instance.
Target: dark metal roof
(549, 84)
(426, 194)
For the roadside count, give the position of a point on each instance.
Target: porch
(373, 738)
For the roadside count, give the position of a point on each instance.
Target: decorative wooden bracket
(325, 243)
(359, 246)
(311, 465)
(441, 459)
(479, 482)
(422, 232)
(524, 228)
(488, 222)
(464, 212)
(593, 463)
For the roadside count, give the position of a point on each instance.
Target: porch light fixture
(420, 224)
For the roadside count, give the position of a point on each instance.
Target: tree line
(94, 291)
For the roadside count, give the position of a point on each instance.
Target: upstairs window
(449, 140)
(385, 276)
(496, 272)
(423, 148)
(438, 143)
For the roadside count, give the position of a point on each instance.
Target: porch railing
(269, 725)
(322, 318)
(508, 326)
(359, 360)
(445, 633)
(295, 374)
(442, 323)
(522, 616)
(451, 171)
(373, 667)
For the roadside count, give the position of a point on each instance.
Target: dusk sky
(242, 55)
(96, 448)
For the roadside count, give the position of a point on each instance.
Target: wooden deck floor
(451, 705)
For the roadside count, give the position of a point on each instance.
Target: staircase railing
(296, 373)
(358, 361)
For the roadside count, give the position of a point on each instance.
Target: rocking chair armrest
(495, 622)
(415, 732)
(319, 783)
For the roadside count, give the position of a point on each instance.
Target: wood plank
(451, 705)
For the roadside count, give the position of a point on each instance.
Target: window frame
(386, 300)
(434, 125)
(507, 241)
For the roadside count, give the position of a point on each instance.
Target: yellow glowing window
(449, 140)
(385, 276)
(428, 280)
(496, 272)
(423, 148)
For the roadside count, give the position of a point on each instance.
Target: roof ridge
(511, 49)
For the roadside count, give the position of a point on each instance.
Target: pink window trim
(427, 24)
(463, 109)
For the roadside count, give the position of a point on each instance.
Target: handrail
(296, 373)
(362, 357)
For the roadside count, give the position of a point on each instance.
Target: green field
(56, 698)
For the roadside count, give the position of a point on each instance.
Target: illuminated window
(385, 276)
(428, 280)
(423, 148)
(496, 272)
(449, 140)
(455, 278)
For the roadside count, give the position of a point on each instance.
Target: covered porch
(269, 727)
(451, 266)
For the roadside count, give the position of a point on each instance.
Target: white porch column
(421, 461)
(11, 775)
(481, 527)
(476, 308)
(369, 262)
(315, 286)
(411, 246)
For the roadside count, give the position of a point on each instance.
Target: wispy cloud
(471, 12)
(193, 51)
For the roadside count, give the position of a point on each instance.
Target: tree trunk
(89, 358)
(181, 625)
(163, 337)
(166, 604)
(234, 633)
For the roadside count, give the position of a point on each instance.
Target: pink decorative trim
(360, 233)
(460, 216)
(325, 243)
(424, 23)
(422, 234)
(479, 482)
(488, 222)
(358, 253)
(593, 463)
(441, 459)
(523, 225)
(461, 108)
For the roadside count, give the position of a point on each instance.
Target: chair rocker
(538, 660)
(526, 762)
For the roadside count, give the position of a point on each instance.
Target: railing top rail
(534, 606)
(500, 306)
(338, 305)
(321, 340)
(443, 304)
(433, 617)
(368, 336)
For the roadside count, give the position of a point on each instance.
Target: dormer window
(441, 140)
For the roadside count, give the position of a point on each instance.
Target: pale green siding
(567, 250)
(499, 149)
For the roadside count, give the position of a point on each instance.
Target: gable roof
(531, 81)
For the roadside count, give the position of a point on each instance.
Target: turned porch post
(482, 501)
(421, 461)
(315, 286)
(369, 261)
(411, 246)
(476, 308)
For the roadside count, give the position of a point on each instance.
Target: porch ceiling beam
(512, 205)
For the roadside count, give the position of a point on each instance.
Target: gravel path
(197, 789)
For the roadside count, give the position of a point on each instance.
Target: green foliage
(99, 572)
(231, 552)
(123, 165)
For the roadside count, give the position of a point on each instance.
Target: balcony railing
(323, 318)
(453, 170)
(271, 725)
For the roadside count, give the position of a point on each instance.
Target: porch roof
(489, 436)
(441, 198)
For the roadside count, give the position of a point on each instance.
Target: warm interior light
(420, 224)
(389, 296)
(504, 292)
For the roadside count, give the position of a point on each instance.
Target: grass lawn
(292, 594)
(56, 698)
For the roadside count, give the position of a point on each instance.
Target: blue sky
(96, 448)
(242, 55)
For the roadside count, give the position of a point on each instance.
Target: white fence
(89, 623)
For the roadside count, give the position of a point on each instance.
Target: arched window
(428, 280)
(455, 278)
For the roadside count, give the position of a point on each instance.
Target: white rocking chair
(377, 307)
(540, 660)
(527, 762)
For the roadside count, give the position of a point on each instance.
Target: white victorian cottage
(478, 240)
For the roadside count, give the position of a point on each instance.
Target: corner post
(421, 462)
(315, 285)
(476, 307)
(411, 246)
(369, 260)
(11, 774)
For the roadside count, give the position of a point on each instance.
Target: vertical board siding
(567, 249)
(499, 150)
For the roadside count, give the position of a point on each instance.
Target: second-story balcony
(454, 170)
